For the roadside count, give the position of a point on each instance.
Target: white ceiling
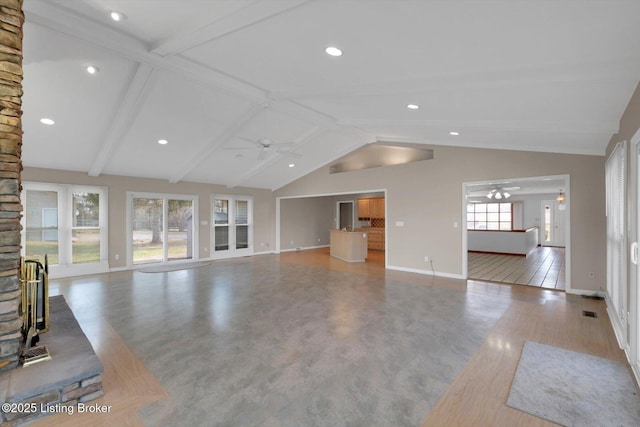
(212, 76)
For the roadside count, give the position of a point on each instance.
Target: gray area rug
(574, 389)
(174, 267)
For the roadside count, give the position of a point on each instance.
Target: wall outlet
(117, 257)
(426, 259)
(205, 249)
(292, 242)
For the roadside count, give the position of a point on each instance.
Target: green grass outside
(148, 252)
(84, 252)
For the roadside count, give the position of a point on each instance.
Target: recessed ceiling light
(163, 142)
(413, 106)
(117, 16)
(291, 165)
(454, 133)
(46, 121)
(91, 69)
(333, 51)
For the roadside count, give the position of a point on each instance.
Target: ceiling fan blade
(289, 154)
(251, 141)
(282, 144)
(262, 154)
(238, 148)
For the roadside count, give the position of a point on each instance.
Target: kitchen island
(350, 246)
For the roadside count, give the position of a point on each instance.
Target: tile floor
(545, 268)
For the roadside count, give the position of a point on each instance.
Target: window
(616, 195)
(489, 216)
(67, 223)
(232, 226)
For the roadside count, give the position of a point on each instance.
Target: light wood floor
(475, 398)
(544, 267)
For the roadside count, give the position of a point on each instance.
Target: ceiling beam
(528, 126)
(204, 30)
(207, 149)
(60, 20)
(136, 94)
(564, 75)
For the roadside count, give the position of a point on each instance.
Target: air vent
(588, 313)
(594, 296)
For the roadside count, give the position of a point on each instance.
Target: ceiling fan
(501, 192)
(267, 146)
(498, 190)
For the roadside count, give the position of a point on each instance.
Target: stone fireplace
(74, 376)
(11, 22)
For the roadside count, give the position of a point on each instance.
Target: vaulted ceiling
(220, 80)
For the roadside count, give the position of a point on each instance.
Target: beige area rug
(174, 267)
(574, 389)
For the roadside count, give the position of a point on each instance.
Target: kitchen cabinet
(371, 208)
(363, 208)
(376, 239)
(376, 208)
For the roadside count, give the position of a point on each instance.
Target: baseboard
(303, 248)
(636, 372)
(585, 292)
(616, 325)
(426, 272)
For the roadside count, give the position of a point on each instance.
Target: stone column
(11, 22)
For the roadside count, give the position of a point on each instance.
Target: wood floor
(544, 267)
(476, 397)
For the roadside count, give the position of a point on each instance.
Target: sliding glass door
(147, 220)
(232, 226)
(162, 227)
(67, 223)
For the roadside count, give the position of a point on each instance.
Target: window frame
(65, 266)
(166, 197)
(486, 213)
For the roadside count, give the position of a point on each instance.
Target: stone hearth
(71, 377)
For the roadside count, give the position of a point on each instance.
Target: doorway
(162, 227)
(538, 213)
(232, 222)
(345, 215)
